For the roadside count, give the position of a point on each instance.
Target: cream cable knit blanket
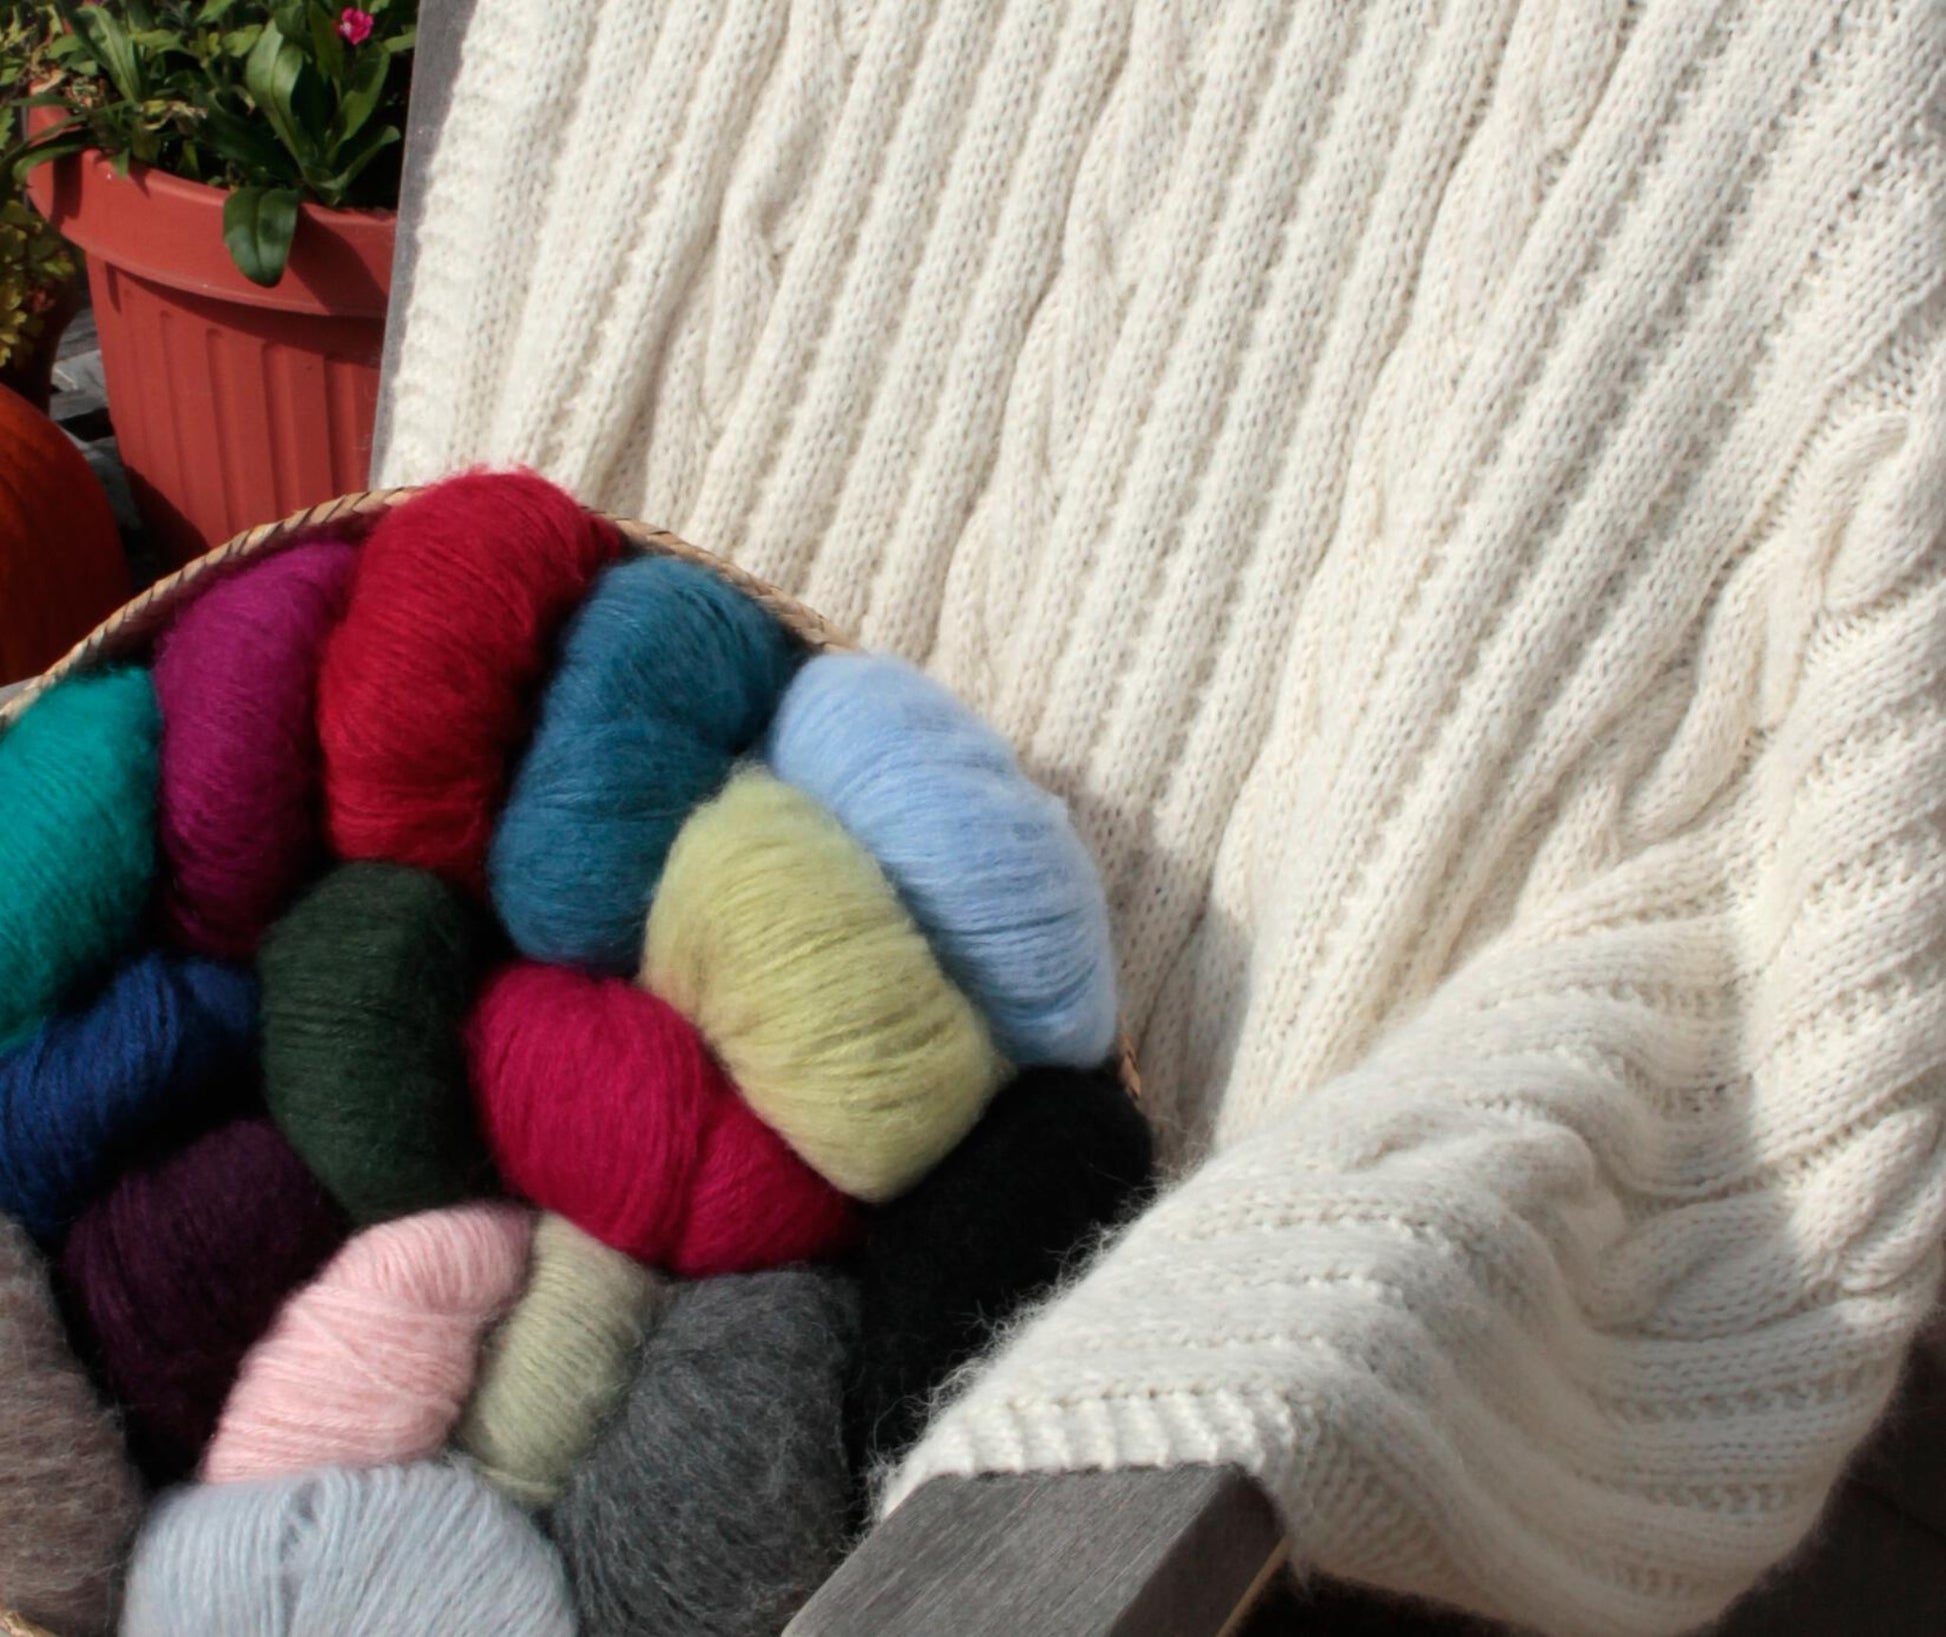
(1453, 491)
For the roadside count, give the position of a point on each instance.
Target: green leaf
(41, 152)
(214, 11)
(113, 48)
(240, 42)
(363, 94)
(399, 44)
(271, 74)
(248, 146)
(258, 225)
(363, 153)
(326, 47)
(140, 15)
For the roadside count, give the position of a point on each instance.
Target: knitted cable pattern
(1455, 495)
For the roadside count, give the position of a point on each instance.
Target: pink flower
(355, 25)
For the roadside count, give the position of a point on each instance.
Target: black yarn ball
(1060, 1155)
(717, 1498)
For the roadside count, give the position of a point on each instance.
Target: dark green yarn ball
(366, 987)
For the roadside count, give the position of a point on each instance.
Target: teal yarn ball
(394, 1551)
(986, 861)
(667, 675)
(77, 838)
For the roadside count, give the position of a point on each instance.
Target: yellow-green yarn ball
(784, 942)
(558, 1363)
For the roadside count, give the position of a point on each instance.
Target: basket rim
(139, 619)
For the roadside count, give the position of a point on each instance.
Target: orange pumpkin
(61, 564)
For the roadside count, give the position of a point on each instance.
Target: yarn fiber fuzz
(716, 1499)
(785, 943)
(1060, 1156)
(366, 986)
(555, 1366)
(238, 805)
(985, 859)
(175, 1271)
(69, 1499)
(428, 683)
(667, 675)
(166, 1045)
(397, 1551)
(371, 1362)
(77, 838)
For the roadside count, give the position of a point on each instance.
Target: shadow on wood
(1107, 1554)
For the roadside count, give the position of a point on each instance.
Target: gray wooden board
(1176, 1553)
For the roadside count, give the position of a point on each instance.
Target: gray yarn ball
(68, 1496)
(408, 1551)
(717, 1498)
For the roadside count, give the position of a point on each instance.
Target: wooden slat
(1179, 1553)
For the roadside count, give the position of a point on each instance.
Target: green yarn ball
(559, 1362)
(77, 838)
(366, 986)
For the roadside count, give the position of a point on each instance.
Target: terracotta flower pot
(231, 402)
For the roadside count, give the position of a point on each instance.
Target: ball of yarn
(164, 1045)
(427, 685)
(366, 985)
(716, 1499)
(556, 1366)
(986, 860)
(602, 1103)
(68, 1497)
(786, 944)
(77, 848)
(175, 1271)
(370, 1363)
(1060, 1156)
(238, 805)
(401, 1551)
(667, 675)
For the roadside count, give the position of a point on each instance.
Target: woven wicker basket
(127, 632)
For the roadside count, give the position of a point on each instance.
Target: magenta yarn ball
(238, 808)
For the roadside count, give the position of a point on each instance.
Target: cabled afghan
(1453, 494)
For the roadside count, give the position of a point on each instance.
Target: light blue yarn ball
(987, 861)
(667, 675)
(410, 1551)
(77, 838)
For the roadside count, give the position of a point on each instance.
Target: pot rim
(169, 230)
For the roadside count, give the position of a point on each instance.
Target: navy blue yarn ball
(667, 675)
(163, 1045)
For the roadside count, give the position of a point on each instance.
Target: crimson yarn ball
(429, 683)
(172, 1274)
(602, 1103)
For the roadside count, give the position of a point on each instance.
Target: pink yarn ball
(371, 1363)
(238, 805)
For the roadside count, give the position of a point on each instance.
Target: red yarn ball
(601, 1102)
(429, 682)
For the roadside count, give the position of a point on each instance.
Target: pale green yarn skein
(558, 1363)
(783, 941)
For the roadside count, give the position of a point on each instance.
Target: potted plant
(231, 169)
(39, 292)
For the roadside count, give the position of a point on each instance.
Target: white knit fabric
(1453, 491)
